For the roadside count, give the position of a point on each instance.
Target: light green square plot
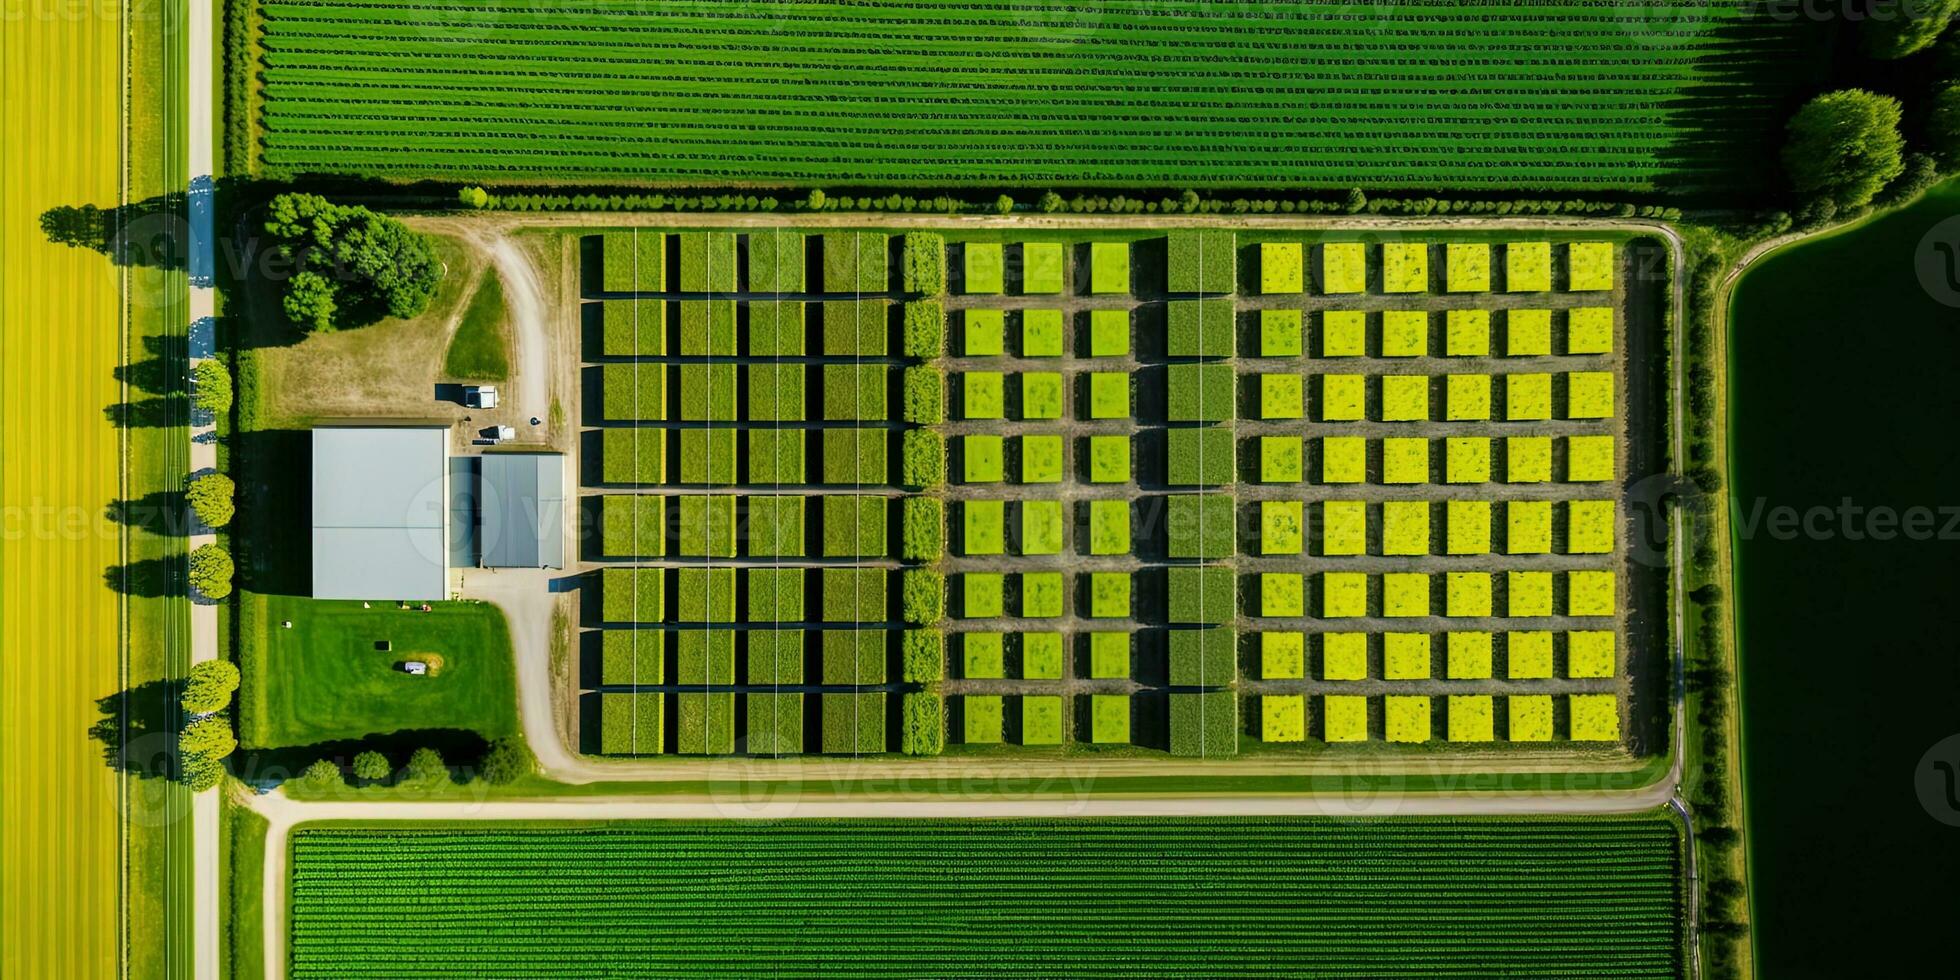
(1109, 595)
(982, 459)
(1109, 395)
(1589, 266)
(1109, 719)
(1527, 397)
(1041, 268)
(1466, 333)
(1109, 459)
(1344, 528)
(983, 395)
(1405, 460)
(1042, 395)
(1343, 397)
(1405, 595)
(982, 595)
(1405, 398)
(1466, 526)
(1405, 267)
(1466, 397)
(982, 719)
(1041, 333)
(1281, 333)
(984, 264)
(1344, 656)
(1282, 594)
(1466, 594)
(1109, 333)
(1405, 656)
(1344, 459)
(1041, 459)
(982, 656)
(1589, 395)
(1589, 593)
(1405, 333)
(1468, 267)
(1467, 656)
(1281, 459)
(1041, 656)
(1109, 527)
(983, 333)
(1405, 527)
(1589, 653)
(1041, 527)
(1041, 719)
(1282, 656)
(1343, 268)
(1109, 656)
(1589, 459)
(1466, 459)
(1042, 595)
(1343, 595)
(1528, 527)
(1530, 594)
(1589, 527)
(1109, 268)
(1282, 268)
(983, 524)
(1281, 396)
(1344, 333)
(1528, 655)
(1528, 459)
(1589, 330)
(1527, 333)
(1281, 527)
(1528, 267)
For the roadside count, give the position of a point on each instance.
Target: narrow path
(207, 923)
(532, 365)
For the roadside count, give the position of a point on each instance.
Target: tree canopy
(1899, 29)
(209, 687)
(211, 571)
(210, 497)
(1844, 147)
(211, 386)
(352, 266)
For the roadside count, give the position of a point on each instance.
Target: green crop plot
(633, 327)
(775, 595)
(1282, 396)
(708, 457)
(855, 595)
(856, 262)
(633, 525)
(1343, 333)
(1109, 719)
(983, 395)
(776, 328)
(1200, 392)
(1281, 527)
(777, 392)
(984, 527)
(775, 656)
(1109, 595)
(1281, 333)
(775, 526)
(776, 261)
(1405, 267)
(982, 656)
(983, 333)
(1343, 397)
(707, 328)
(1041, 459)
(857, 328)
(1043, 595)
(1200, 525)
(1204, 725)
(1109, 656)
(633, 455)
(633, 261)
(1528, 267)
(1202, 262)
(856, 457)
(983, 459)
(983, 719)
(631, 724)
(1042, 267)
(1343, 268)
(634, 392)
(777, 457)
(1041, 527)
(1109, 268)
(983, 595)
(855, 527)
(1041, 333)
(1041, 719)
(1205, 596)
(704, 595)
(704, 657)
(853, 392)
(1405, 333)
(1281, 459)
(1527, 333)
(983, 265)
(1109, 459)
(1042, 395)
(1109, 527)
(708, 261)
(1466, 333)
(1041, 656)
(1109, 333)
(1200, 328)
(633, 595)
(1109, 395)
(853, 724)
(1282, 268)
(1200, 457)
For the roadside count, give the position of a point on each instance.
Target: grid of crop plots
(1210, 493)
(1184, 494)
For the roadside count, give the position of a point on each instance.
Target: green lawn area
(324, 680)
(479, 351)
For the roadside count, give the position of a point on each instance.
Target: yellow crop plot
(1468, 269)
(1405, 460)
(1468, 656)
(1528, 459)
(1281, 268)
(1468, 527)
(1405, 656)
(1405, 595)
(1344, 527)
(1466, 459)
(1528, 267)
(1466, 333)
(1343, 656)
(1343, 594)
(1405, 398)
(1344, 459)
(1466, 397)
(1589, 459)
(1527, 333)
(1282, 656)
(1343, 397)
(1470, 717)
(1343, 267)
(1405, 527)
(1531, 717)
(1589, 330)
(1405, 718)
(1283, 718)
(1405, 267)
(1528, 655)
(1405, 333)
(61, 342)
(1594, 717)
(1589, 653)
(1344, 718)
(1343, 333)
(1591, 266)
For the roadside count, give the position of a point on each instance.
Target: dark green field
(1016, 898)
(1434, 93)
(1843, 391)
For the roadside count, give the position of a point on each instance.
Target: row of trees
(506, 760)
(206, 738)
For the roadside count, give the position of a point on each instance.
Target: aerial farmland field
(1098, 92)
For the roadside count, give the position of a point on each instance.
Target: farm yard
(1154, 494)
(1083, 897)
(1538, 95)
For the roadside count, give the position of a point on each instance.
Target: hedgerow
(922, 656)
(925, 329)
(922, 459)
(923, 524)
(923, 596)
(925, 263)
(922, 723)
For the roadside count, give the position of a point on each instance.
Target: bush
(354, 266)
(922, 657)
(208, 688)
(211, 571)
(925, 395)
(1844, 147)
(922, 459)
(200, 772)
(208, 736)
(322, 774)
(924, 523)
(425, 765)
(1914, 25)
(925, 329)
(922, 725)
(372, 767)
(211, 387)
(923, 596)
(925, 264)
(506, 760)
(210, 498)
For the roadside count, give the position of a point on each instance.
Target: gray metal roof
(380, 510)
(521, 510)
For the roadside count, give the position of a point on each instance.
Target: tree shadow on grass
(160, 412)
(150, 578)
(462, 751)
(160, 512)
(164, 371)
(138, 729)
